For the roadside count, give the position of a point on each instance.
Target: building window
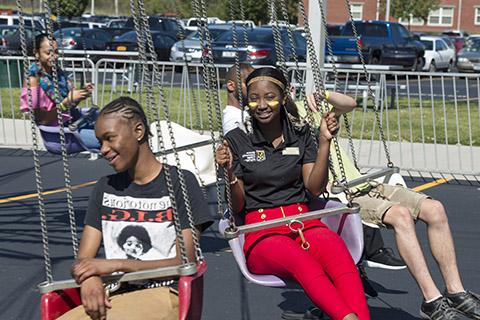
(477, 15)
(357, 11)
(443, 16)
(412, 21)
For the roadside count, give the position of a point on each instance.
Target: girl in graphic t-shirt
(270, 171)
(131, 212)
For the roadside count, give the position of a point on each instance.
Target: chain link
(36, 159)
(58, 100)
(370, 91)
(181, 178)
(199, 10)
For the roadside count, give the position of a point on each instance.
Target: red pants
(326, 271)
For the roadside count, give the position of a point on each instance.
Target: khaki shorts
(147, 304)
(375, 202)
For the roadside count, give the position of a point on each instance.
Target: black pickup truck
(381, 42)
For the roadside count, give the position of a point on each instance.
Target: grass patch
(190, 109)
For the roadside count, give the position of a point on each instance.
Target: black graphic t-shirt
(136, 221)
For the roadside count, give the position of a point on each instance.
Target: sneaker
(467, 303)
(438, 310)
(367, 286)
(385, 258)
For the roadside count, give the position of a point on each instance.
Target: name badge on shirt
(291, 151)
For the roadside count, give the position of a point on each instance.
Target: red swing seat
(190, 298)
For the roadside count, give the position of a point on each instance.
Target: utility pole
(459, 17)
(318, 37)
(387, 11)
(92, 9)
(116, 8)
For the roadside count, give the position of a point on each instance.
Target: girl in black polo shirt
(270, 171)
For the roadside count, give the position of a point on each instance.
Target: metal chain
(370, 91)
(336, 87)
(36, 159)
(207, 61)
(181, 178)
(140, 31)
(318, 82)
(58, 100)
(277, 40)
(297, 75)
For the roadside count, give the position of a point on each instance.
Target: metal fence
(431, 120)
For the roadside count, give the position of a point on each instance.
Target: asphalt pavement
(227, 295)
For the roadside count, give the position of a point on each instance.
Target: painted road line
(78, 186)
(431, 184)
(45, 193)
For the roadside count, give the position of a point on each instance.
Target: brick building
(451, 14)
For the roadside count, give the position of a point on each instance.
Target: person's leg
(376, 255)
(331, 252)
(281, 256)
(433, 214)
(403, 225)
(88, 138)
(373, 240)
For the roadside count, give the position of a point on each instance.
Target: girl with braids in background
(128, 209)
(271, 170)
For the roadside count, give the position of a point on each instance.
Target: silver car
(191, 48)
(469, 57)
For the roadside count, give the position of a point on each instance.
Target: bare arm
(86, 266)
(341, 103)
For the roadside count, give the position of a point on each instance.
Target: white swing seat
(350, 230)
(204, 166)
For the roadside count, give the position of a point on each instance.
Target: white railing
(431, 120)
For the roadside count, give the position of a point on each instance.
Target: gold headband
(267, 78)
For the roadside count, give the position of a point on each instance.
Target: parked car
(438, 55)
(334, 29)
(10, 40)
(458, 37)
(193, 23)
(468, 59)
(386, 43)
(167, 25)
(243, 23)
(30, 21)
(82, 38)
(260, 48)
(116, 23)
(162, 42)
(191, 47)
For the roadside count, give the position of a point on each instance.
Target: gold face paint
(253, 104)
(273, 103)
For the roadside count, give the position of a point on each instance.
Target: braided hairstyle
(129, 109)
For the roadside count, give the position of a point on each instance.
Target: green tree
(68, 8)
(414, 8)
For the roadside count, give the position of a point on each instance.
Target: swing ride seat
(348, 226)
(190, 298)
(194, 150)
(51, 140)
(73, 142)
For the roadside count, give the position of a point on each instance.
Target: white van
(13, 20)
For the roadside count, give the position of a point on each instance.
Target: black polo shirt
(272, 176)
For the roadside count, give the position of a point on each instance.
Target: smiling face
(264, 101)
(43, 54)
(119, 140)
